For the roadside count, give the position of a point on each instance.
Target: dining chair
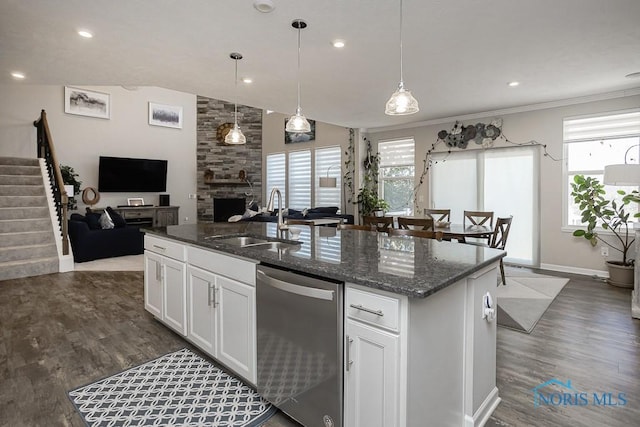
(479, 218)
(426, 234)
(443, 215)
(498, 240)
(368, 227)
(381, 223)
(415, 223)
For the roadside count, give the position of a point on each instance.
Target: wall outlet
(604, 251)
(192, 196)
(186, 219)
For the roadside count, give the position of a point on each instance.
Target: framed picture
(135, 201)
(290, 137)
(83, 102)
(165, 115)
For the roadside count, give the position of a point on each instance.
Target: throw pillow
(77, 217)
(118, 221)
(93, 220)
(105, 221)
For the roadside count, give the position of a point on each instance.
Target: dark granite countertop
(403, 265)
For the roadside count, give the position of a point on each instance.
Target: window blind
(276, 175)
(397, 153)
(328, 160)
(619, 125)
(299, 179)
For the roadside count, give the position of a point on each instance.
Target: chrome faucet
(282, 227)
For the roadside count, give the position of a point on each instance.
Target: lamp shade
(401, 103)
(627, 174)
(326, 181)
(235, 136)
(298, 123)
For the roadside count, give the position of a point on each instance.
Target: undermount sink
(273, 246)
(243, 241)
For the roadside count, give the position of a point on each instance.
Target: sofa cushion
(105, 221)
(93, 221)
(324, 210)
(118, 221)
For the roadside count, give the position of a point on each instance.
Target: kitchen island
(419, 348)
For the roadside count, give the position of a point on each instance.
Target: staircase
(27, 241)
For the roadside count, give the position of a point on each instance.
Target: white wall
(79, 141)
(326, 135)
(557, 247)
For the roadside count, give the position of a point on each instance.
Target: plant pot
(620, 275)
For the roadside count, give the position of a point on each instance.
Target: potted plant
(69, 177)
(596, 210)
(369, 202)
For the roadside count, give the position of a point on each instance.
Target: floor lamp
(628, 174)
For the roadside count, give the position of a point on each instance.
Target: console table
(153, 216)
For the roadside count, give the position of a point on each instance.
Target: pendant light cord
(401, 79)
(235, 108)
(298, 109)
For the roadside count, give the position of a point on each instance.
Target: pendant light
(401, 103)
(298, 123)
(235, 135)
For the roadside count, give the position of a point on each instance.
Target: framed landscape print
(291, 137)
(83, 102)
(165, 115)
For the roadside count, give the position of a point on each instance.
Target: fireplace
(223, 208)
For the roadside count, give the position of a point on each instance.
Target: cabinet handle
(368, 310)
(159, 247)
(349, 361)
(209, 294)
(215, 296)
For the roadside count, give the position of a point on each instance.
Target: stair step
(22, 225)
(21, 190)
(21, 179)
(19, 170)
(23, 201)
(27, 252)
(19, 161)
(26, 238)
(33, 267)
(24, 213)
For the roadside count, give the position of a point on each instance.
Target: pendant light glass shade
(401, 103)
(235, 135)
(298, 123)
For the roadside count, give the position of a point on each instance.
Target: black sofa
(90, 243)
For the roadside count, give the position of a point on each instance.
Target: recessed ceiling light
(338, 43)
(247, 80)
(18, 75)
(514, 84)
(264, 6)
(633, 75)
(84, 33)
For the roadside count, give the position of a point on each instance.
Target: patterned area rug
(178, 389)
(525, 298)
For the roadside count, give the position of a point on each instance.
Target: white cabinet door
(372, 379)
(174, 295)
(202, 321)
(236, 340)
(153, 284)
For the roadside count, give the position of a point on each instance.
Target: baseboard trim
(485, 410)
(575, 270)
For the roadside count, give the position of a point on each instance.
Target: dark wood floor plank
(62, 331)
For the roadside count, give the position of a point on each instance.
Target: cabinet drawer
(224, 265)
(374, 309)
(164, 247)
(135, 214)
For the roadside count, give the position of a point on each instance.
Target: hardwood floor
(61, 331)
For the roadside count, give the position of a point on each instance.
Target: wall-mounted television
(121, 174)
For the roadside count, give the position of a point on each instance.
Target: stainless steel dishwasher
(300, 330)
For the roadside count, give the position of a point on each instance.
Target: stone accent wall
(222, 163)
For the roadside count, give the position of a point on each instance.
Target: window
(328, 163)
(590, 143)
(396, 172)
(276, 175)
(299, 180)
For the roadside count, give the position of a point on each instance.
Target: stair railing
(46, 151)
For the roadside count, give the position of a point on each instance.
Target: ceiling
(458, 55)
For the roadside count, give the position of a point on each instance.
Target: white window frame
(626, 131)
(412, 162)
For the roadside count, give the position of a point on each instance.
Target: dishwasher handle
(305, 291)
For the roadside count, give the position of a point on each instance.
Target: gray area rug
(525, 298)
(177, 389)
